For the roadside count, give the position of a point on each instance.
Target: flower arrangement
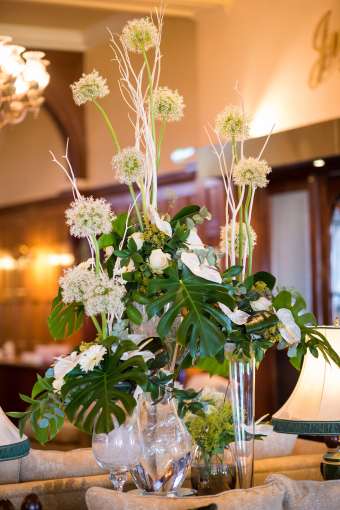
(150, 286)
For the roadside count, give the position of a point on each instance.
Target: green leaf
(213, 367)
(64, 319)
(195, 295)
(283, 300)
(106, 240)
(92, 399)
(133, 314)
(119, 224)
(186, 211)
(232, 271)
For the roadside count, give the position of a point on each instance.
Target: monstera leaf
(196, 297)
(93, 399)
(64, 319)
(89, 400)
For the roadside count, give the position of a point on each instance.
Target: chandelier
(23, 79)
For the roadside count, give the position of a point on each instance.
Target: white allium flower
(75, 282)
(129, 165)
(229, 231)
(89, 217)
(167, 105)
(251, 172)
(91, 358)
(89, 87)
(232, 123)
(105, 296)
(140, 35)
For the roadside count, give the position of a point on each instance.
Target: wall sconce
(7, 263)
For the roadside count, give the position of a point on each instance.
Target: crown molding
(182, 8)
(45, 38)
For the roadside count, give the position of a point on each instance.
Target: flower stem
(249, 239)
(134, 198)
(117, 146)
(160, 142)
(96, 324)
(153, 129)
(108, 124)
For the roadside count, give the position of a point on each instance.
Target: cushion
(308, 495)
(274, 445)
(65, 494)
(48, 465)
(268, 497)
(298, 467)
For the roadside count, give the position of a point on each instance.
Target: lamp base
(330, 465)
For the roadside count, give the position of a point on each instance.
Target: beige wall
(26, 170)
(265, 45)
(178, 72)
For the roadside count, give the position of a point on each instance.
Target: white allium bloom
(138, 239)
(237, 316)
(64, 365)
(203, 270)
(76, 281)
(91, 358)
(159, 261)
(129, 165)
(251, 172)
(229, 231)
(140, 35)
(232, 123)
(89, 87)
(261, 304)
(167, 105)
(89, 217)
(288, 328)
(105, 296)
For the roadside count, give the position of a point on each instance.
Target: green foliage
(186, 212)
(64, 319)
(92, 399)
(44, 413)
(202, 325)
(212, 431)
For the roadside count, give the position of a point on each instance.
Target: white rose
(159, 261)
(138, 239)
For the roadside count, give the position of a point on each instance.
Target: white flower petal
(205, 271)
(237, 316)
(193, 241)
(289, 330)
(64, 365)
(261, 304)
(162, 225)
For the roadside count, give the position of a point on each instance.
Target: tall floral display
(152, 288)
(263, 315)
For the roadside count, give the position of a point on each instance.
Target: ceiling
(75, 25)
(88, 9)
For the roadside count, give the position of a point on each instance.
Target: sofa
(61, 479)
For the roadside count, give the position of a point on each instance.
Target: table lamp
(314, 406)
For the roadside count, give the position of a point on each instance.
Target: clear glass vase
(213, 474)
(242, 381)
(165, 446)
(116, 452)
